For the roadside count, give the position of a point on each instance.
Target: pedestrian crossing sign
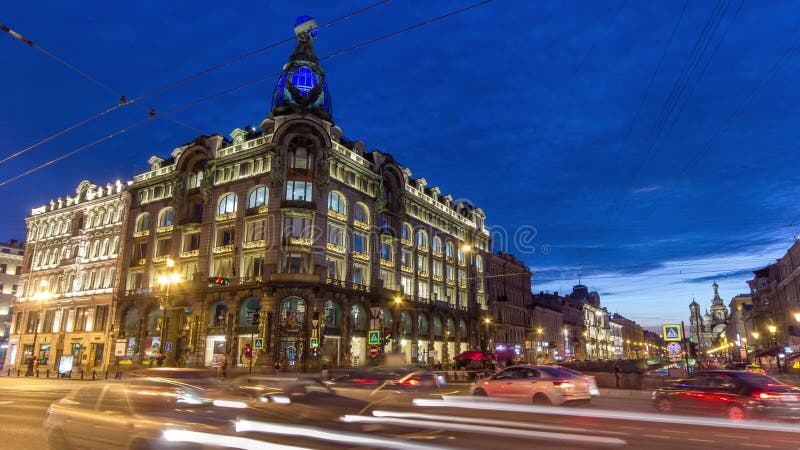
(258, 343)
(672, 333)
(374, 337)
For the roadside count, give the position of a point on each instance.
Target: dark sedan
(733, 394)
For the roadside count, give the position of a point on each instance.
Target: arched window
(358, 317)
(219, 313)
(293, 313)
(448, 249)
(451, 328)
(405, 321)
(361, 213)
(437, 244)
(166, 217)
(336, 203)
(95, 249)
(249, 312)
(479, 263)
(109, 217)
(460, 254)
(131, 322)
(115, 246)
(154, 320)
(437, 326)
(422, 324)
(422, 238)
(462, 329)
(405, 232)
(104, 248)
(143, 222)
(259, 196)
(333, 315)
(227, 204)
(300, 154)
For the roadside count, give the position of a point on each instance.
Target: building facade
(707, 331)
(293, 237)
(508, 287)
(632, 337)
(11, 255)
(64, 309)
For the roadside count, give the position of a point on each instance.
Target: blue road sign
(258, 343)
(374, 337)
(672, 333)
(168, 346)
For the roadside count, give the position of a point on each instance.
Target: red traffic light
(248, 351)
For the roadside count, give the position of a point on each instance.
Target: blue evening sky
(645, 147)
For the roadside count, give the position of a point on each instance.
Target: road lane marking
(595, 441)
(7, 402)
(479, 420)
(731, 436)
(323, 434)
(483, 404)
(758, 445)
(700, 440)
(657, 436)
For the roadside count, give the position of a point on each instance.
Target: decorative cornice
(334, 248)
(337, 216)
(422, 273)
(223, 249)
(361, 256)
(142, 233)
(254, 244)
(406, 269)
(360, 224)
(388, 264)
(406, 242)
(190, 254)
(165, 229)
(227, 216)
(300, 241)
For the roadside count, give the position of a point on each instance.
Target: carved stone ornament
(208, 182)
(324, 173)
(276, 168)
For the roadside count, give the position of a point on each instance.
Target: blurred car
(135, 415)
(401, 377)
(593, 389)
(542, 385)
(736, 395)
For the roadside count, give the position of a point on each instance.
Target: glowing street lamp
(166, 280)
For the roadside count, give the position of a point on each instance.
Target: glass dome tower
(302, 88)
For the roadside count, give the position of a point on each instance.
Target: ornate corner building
(285, 244)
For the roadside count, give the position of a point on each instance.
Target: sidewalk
(626, 393)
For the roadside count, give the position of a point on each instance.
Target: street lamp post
(756, 335)
(166, 280)
(772, 329)
(486, 344)
(539, 332)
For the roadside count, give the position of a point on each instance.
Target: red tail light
(410, 382)
(365, 380)
(563, 384)
(767, 396)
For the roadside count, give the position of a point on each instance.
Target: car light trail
(471, 403)
(492, 422)
(229, 404)
(595, 441)
(330, 435)
(221, 440)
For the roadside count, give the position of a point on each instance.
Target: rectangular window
(295, 263)
(422, 289)
(222, 267)
(297, 227)
(335, 235)
(80, 319)
(49, 317)
(388, 279)
(298, 190)
(437, 292)
(14, 288)
(335, 269)
(359, 243)
(244, 170)
(386, 251)
(188, 269)
(33, 318)
(139, 250)
(18, 270)
(407, 284)
(164, 247)
(451, 296)
(134, 281)
(422, 262)
(253, 266)
(256, 231)
(100, 317)
(17, 322)
(406, 259)
(226, 236)
(191, 241)
(3, 268)
(359, 274)
(448, 273)
(437, 268)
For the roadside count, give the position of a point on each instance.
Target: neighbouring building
(508, 287)
(64, 309)
(633, 345)
(11, 255)
(293, 239)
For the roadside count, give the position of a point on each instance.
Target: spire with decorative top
(302, 88)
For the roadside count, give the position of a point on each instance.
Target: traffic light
(218, 281)
(256, 319)
(248, 351)
(315, 352)
(387, 336)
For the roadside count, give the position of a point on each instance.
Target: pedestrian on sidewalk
(617, 372)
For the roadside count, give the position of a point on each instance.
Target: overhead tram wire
(124, 102)
(84, 75)
(242, 86)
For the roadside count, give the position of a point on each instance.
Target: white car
(540, 385)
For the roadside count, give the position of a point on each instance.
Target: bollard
(37, 373)
(94, 377)
(48, 373)
(9, 371)
(81, 373)
(106, 373)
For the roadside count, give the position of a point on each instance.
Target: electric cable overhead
(242, 86)
(124, 101)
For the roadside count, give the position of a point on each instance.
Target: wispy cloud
(645, 189)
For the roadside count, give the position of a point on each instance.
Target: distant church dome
(302, 88)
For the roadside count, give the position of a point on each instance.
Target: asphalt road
(401, 420)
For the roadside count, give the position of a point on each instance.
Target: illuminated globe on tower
(301, 88)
